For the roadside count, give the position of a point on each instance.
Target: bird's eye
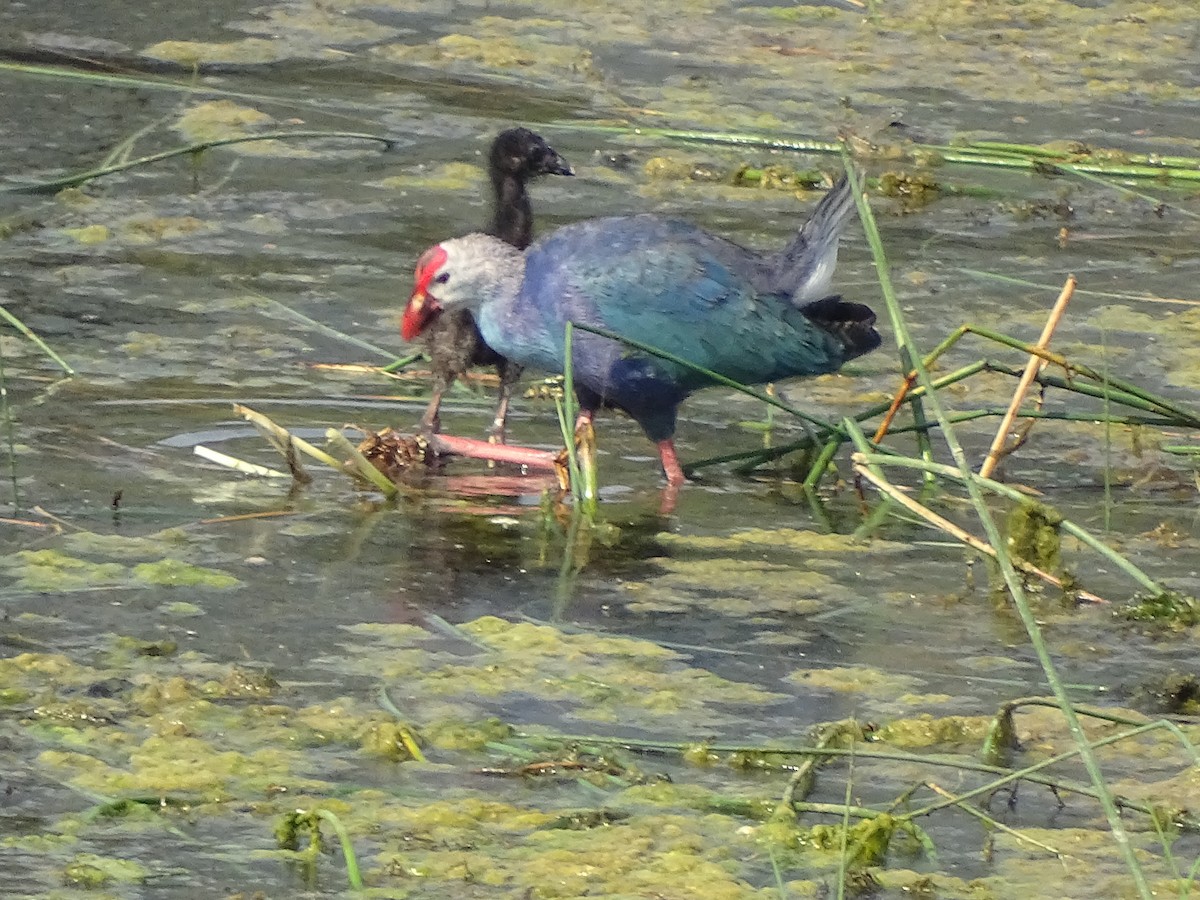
(443, 278)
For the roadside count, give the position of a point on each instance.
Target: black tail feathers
(851, 323)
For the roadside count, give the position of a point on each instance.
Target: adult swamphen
(749, 317)
(453, 340)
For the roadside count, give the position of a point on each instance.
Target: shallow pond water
(189, 655)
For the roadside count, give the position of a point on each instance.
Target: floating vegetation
(1169, 608)
(220, 737)
(1034, 535)
(912, 190)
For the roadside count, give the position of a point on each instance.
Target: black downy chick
(453, 341)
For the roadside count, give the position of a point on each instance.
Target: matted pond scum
(838, 664)
(181, 756)
(631, 771)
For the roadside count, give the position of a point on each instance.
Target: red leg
(445, 444)
(670, 462)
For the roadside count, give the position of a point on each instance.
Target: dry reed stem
(960, 534)
(1034, 366)
(909, 380)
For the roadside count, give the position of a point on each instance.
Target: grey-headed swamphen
(751, 317)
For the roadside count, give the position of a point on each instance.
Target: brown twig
(905, 386)
(960, 534)
(1035, 365)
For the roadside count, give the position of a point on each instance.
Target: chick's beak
(558, 166)
(421, 310)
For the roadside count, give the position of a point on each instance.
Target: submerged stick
(1036, 364)
(1013, 493)
(861, 467)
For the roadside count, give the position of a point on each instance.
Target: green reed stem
(817, 471)
(766, 398)
(979, 153)
(1010, 493)
(352, 873)
(1011, 578)
(1029, 774)
(37, 341)
(58, 184)
(583, 476)
(1089, 292)
(1006, 776)
(9, 434)
(360, 464)
(843, 854)
(326, 330)
(403, 362)
(751, 459)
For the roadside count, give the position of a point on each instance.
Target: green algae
(52, 570)
(914, 190)
(597, 678)
(734, 587)
(117, 546)
(607, 679)
(216, 120)
(175, 573)
(210, 757)
(855, 679)
(453, 176)
(778, 540)
(1033, 535)
(926, 731)
(187, 697)
(195, 53)
(181, 609)
(1169, 609)
(457, 735)
(59, 570)
(388, 740)
(615, 860)
(501, 44)
(89, 234)
(90, 871)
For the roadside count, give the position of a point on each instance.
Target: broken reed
(1016, 588)
(1077, 379)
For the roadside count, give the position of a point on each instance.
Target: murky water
(750, 614)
